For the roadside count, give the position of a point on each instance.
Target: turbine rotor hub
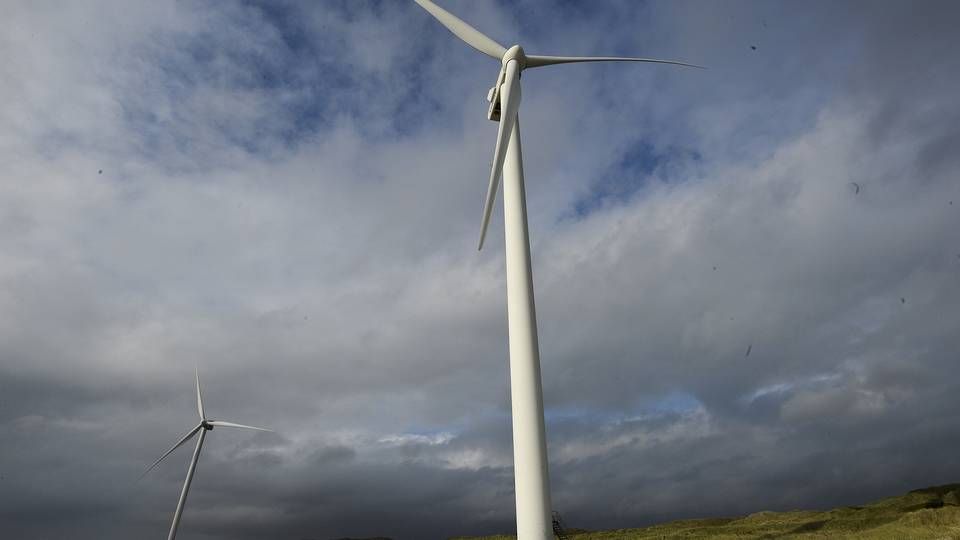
(515, 53)
(493, 96)
(206, 425)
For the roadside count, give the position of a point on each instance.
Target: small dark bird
(100, 171)
(754, 47)
(714, 268)
(856, 186)
(749, 348)
(903, 300)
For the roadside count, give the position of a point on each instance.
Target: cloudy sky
(287, 196)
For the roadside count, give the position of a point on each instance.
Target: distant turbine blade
(199, 397)
(231, 424)
(509, 102)
(170, 451)
(464, 31)
(537, 61)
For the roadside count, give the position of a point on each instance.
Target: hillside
(932, 513)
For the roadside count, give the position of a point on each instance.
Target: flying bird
(749, 348)
(754, 47)
(856, 187)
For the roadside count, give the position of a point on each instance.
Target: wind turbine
(202, 428)
(531, 479)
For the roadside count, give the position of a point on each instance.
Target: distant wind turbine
(202, 428)
(526, 395)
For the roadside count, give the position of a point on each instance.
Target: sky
(747, 277)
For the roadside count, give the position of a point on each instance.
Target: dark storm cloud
(289, 199)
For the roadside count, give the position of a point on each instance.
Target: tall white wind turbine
(202, 428)
(532, 483)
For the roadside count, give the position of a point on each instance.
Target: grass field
(930, 513)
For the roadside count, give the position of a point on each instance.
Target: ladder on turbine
(558, 528)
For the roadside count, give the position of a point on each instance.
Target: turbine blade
(170, 451)
(199, 397)
(534, 60)
(231, 424)
(464, 31)
(509, 103)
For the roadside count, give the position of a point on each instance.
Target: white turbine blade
(231, 424)
(509, 102)
(537, 61)
(170, 451)
(464, 31)
(199, 397)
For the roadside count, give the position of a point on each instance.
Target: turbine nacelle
(493, 96)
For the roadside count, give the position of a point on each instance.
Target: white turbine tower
(202, 428)
(531, 480)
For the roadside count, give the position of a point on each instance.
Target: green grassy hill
(932, 513)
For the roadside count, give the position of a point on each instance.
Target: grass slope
(932, 513)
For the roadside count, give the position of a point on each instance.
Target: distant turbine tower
(531, 478)
(203, 427)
